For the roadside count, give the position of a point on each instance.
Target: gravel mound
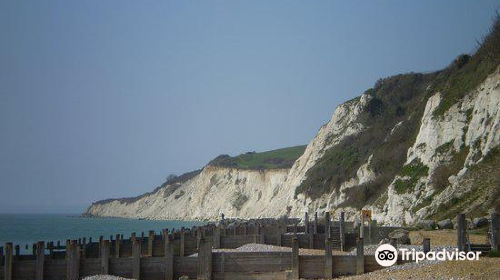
(104, 277)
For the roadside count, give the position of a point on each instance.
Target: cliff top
(275, 159)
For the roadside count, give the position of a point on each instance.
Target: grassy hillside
(397, 99)
(280, 158)
(400, 100)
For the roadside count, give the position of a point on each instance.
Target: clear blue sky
(104, 99)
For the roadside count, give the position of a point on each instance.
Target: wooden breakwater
(169, 254)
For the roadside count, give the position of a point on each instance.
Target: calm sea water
(25, 229)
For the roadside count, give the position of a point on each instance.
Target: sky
(104, 99)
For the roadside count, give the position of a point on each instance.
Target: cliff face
(416, 146)
(454, 150)
(234, 192)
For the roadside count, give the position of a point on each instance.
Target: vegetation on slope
(467, 72)
(280, 158)
(392, 120)
(170, 181)
(484, 194)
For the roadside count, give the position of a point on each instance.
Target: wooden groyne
(171, 254)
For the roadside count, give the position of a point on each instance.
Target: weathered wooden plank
(295, 259)
(461, 232)
(187, 266)
(182, 251)
(136, 259)
(342, 231)
(252, 262)
(151, 238)
(278, 275)
(152, 268)
(216, 238)
(121, 267)
(55, 269)
(90, 266)
(494, 231)
(40, 260)
(73, 257)
(169, 258)
(117, 245)
(360, 259)
(104, 257)
(205, 260)
(8, 261)
(344, 265)
(24, 270)
(315, 224)
(312, 267)
(426, 245)
(371, 264)
(328, 259)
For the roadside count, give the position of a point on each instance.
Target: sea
(26, 229)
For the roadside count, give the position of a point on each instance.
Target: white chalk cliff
(470, 127)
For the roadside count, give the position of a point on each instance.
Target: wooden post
(295, 228)
(306, 222)
(183, 244)
(360, 256)
(34, 249)
(7, 268)
(205, 260)
(362, 227)
(136, 259)
(342, 231)
(222, 230)
(262, 236)
(278, 236)
(461, 232)
(73, 261)
(104, 256)
(315, 224)
(327, 225)
(328, 259)
(118, 245)
(216, 238)
(51, 250)
(133, 237)
(369, 231)
(198, 237)
(311, 240)
(169, 257)
(151, 238)
(244, 229)
(295, 258)
(40, 259)
(495, 231)
(426, 244)
(84, 247)
(17, 249)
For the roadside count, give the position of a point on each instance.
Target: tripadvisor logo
(387, 255)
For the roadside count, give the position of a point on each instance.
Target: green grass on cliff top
(275, 159)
